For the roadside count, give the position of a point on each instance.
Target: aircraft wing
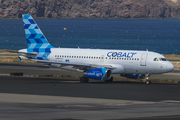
(74, 64)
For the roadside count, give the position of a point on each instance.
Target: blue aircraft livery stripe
(36, 41)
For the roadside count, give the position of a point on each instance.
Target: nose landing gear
(147, 80)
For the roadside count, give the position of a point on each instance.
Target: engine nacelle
(99, 74)
(135, 76)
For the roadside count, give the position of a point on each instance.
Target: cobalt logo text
(121, 54)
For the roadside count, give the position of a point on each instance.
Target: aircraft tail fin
(36, 41)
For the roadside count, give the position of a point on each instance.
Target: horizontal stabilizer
(31, 54)
(22, 58)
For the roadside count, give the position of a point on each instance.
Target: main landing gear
(84, 80)
(147, 80)
(110, 80)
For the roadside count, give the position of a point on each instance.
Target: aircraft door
(102, 58)
(143, 59)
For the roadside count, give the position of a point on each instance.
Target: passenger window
(124, 58)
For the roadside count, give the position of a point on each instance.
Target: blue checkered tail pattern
(36, 41)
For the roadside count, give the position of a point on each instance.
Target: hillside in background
(90, 8)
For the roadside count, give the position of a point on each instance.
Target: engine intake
(99, 74)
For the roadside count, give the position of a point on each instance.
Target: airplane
(97, 64)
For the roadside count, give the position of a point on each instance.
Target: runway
(63, 99)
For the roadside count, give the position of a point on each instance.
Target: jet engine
(135, 76)
(99, 74)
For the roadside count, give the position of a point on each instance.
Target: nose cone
(169, 67)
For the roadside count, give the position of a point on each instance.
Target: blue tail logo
(36, 41)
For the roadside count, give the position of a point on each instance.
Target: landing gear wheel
(110, 80)
(148, 82)
(84, 80)
(147, 79)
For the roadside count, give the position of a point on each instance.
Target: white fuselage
(123, 61)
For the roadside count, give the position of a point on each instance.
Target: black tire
(84, 80)
(110, 80)
(148, 82)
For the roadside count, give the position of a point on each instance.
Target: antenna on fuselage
(78, 47)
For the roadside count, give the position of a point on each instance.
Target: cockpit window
(160, 59)
(163, 59)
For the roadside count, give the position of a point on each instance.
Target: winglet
(20, 59)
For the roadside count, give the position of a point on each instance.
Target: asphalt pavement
(34, 98)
